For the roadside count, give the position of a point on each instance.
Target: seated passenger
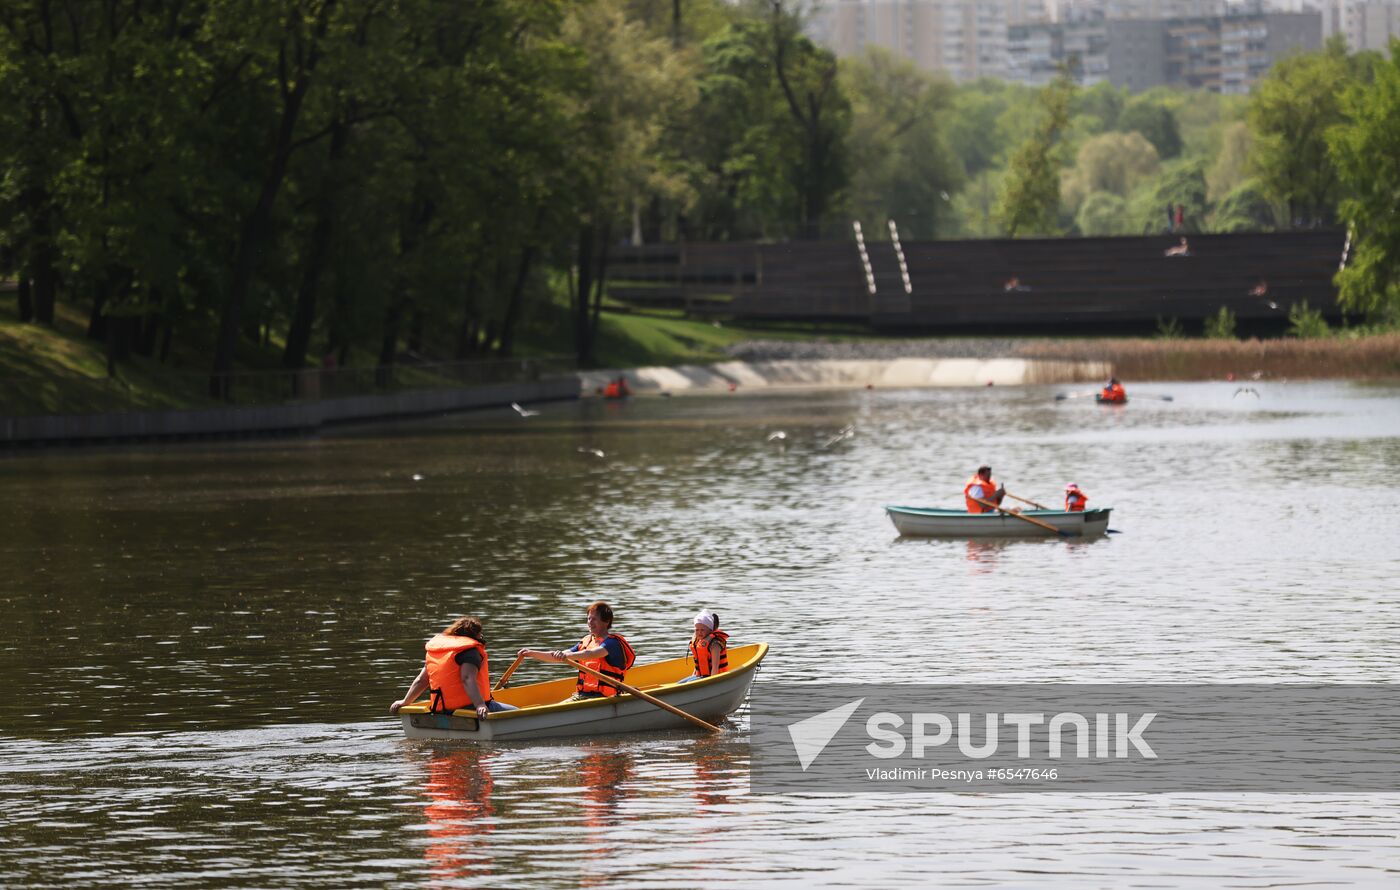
(601, 649)
(455, 672)
(1113, 391)
(982, 487)
(709, 647)
(1075, 499)
(1182, 249)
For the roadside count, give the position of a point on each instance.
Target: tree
(1366, 152)
(1111, 162)
(1104, 213)
(1030, 198)
(1289, 116)
(1155, 122)
(902, 165)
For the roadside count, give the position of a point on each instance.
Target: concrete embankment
(896, 373)
(296, 418)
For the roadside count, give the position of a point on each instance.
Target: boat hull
(711, 699)
(934, 522)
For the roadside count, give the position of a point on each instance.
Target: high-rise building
(964, 38)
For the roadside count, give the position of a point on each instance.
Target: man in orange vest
(1113, 392)
(982, 487)
(1075, 499)
(602, 650)
(456, 672)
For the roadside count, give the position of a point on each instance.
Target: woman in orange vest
(983, 487)
(455, 672)
(1113, 392)
(1075, 499)
(601, 649)
(709, 647)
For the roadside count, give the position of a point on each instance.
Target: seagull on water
(523, 412)
(596, 452)
(777, 437)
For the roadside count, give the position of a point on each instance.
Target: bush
(1306, 323)
(1170, 329)
(1221, 326)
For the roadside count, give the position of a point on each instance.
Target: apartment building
(963, 38)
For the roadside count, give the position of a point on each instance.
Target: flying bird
(845, 433)
(777, 437)
(1249, 389)
(523, 412)
(596, 452)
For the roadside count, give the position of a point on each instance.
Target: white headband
(705, 618)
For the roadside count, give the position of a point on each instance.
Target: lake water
(201, 641)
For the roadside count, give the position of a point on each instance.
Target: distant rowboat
(939, 522)
(544, 713)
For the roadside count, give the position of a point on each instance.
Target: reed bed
(1370, 357)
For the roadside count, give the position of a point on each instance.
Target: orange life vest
(1075, 501)
(1114, 393)
(700, 653)
(590, 683)
(989, 486)
(445, 674)
(611, 391)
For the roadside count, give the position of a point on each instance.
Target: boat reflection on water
(714, 771)
(982, 556)
(459, 814)
(603, 774)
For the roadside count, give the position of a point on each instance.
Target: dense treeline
(354, 179)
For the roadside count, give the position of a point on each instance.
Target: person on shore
(455, 672)
(1075, 498)
(982, 487)
(709, 647)
(602, 650)
(1113, 392)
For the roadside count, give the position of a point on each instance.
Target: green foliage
(902, 165)
(1305, 322)
(1221, 326)
(1289, 116)
(1246, 209)
(1170, 329)
(1366, 151)
(1104, 213)
(1155, 121)
(1030, 198)
(1111, 162)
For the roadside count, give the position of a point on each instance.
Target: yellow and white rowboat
(544, 713)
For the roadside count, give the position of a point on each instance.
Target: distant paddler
(601, 650)
(1113, 393)
(455, 672)
(981, 493)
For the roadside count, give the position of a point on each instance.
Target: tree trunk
(600, 285)
(26, 300)
(258, 223)
(587, 243)
(304, 316)
(507, 346)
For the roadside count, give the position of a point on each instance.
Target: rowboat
(1102, 401)
(938, 522)
(544, 713)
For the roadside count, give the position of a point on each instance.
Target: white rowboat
(939, 522)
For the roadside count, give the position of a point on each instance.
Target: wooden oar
(1060, 397)
(1064, 533)
(1024, 501)
(501, 683)
(643, 696)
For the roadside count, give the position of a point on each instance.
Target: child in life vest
(1075, 498)
(709, 647)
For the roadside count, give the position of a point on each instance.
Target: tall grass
(1370, 357)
